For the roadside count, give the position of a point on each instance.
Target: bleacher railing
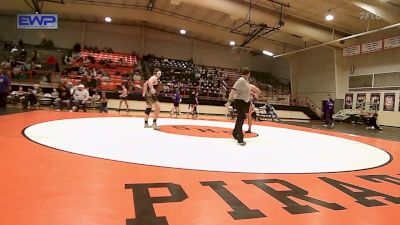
(306, 102)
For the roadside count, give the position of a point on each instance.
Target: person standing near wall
(176, 101)
(240, 96)
(5, 88)
(328, 113)
(103, 103)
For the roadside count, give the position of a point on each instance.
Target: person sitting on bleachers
(31, 97)
(17, 70)
(270, 110)
(16, 96)
(95, 99)
(81, 97)
(91, 83)
(86, 60)
(82, 71)
(54, 95)
(64, 97)
(5, 64)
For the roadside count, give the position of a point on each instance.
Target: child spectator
(176, 99)
(54, 96)
(95, 99)
(103, 103)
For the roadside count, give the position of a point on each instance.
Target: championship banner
(372, 47)
(389, 100)
(348, 103)
(390, 43)
(351, 51)
(375, 100)
(361, 99)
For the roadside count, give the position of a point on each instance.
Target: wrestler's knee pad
(147, 111)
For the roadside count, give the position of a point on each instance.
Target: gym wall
(142, 41)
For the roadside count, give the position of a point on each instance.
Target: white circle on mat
(275, 150)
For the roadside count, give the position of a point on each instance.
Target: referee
(240, 96)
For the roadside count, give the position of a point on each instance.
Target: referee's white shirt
(242, 87)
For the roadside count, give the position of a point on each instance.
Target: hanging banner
(375, 100)
(393, 42)
(361, 99)
(375, 46)
(372, 47)
(348, 101)
(351, 51)
(389, 100)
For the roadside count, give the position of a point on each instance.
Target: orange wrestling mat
(92, 169)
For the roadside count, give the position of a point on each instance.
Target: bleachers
(188, 77)
(114, 57)
(212, 83)
(111, 73)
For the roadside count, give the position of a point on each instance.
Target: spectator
(64, 97)
(28, 64)
(81, 97)
(51, 63)
(91, 83)
(5, 88)
(328, 113)
(270, 110)
(14, 49)
(23, 54)
(54, 95)
(17, 96)
(95, 99)
(5, 64)
(31, 98)
(35, 56)
(103, 103)
(176, 100)
(372, 122)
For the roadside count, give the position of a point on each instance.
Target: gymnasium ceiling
(212, 20)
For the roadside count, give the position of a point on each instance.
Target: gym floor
(91, 168)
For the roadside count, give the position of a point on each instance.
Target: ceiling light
(108, 19)
(268, 53)
(182, 31)
(232, 43)
(329, 17)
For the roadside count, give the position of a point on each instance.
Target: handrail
(307, 102)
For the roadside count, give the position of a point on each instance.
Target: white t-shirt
(242, 87)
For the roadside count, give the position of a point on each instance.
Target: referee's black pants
(242, 108)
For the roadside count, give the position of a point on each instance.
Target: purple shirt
(4, 83)
(177, 97)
